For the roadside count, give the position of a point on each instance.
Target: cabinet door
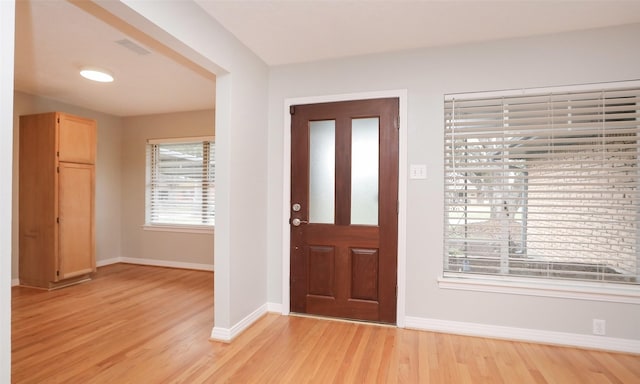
(76, 139)
(76, 210)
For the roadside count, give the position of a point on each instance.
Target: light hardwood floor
(139, 324)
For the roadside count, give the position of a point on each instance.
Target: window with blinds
(181, 182)
(543, 184)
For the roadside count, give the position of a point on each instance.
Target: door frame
(401, 94)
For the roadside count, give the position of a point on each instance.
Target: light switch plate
(418, 171)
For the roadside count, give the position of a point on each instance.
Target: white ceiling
(55, 38)
(283, 32)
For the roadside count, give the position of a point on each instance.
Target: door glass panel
(364, 171)
(322, 171)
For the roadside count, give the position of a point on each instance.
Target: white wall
(120, 171)
(176, 248)
(241, 151)
(564, 59)
(108, 173)
(7, 33)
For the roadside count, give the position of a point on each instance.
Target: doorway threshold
(341, 320)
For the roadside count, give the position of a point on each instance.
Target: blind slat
(181, 185)
(543, 185)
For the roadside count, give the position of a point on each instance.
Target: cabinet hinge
(58, 120)
(292, 110)
(58, 153)
(57, 273)
(58, 220)
(58, 169)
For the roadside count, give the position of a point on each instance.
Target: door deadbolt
(295, 207)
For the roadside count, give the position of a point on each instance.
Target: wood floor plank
(141, 324)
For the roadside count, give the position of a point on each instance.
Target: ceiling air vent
(133, 47)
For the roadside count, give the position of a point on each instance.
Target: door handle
(296, 222)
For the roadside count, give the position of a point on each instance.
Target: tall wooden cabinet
(56, 199)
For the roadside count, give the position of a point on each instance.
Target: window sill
(617, 293)
(179, 228)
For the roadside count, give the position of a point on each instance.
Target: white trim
(543, 90)
(169, 264)
(15, 282)
(221, 334)
(286, 201)
(274, 307)
(524, 334)
(403, 176)
(102, 263)
(157, 263)
(616, 293)
(228, 334)
(402, 189)
(194, 139)
(179, 228)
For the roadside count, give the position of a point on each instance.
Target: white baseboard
(156, 263)
(102, 263)
(221, 334)
(524, 334)
(274, 308)
(228, 334)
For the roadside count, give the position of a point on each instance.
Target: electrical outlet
(599, 327)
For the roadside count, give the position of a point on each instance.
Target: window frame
(538, 286)
(175, 227)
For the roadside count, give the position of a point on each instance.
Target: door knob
(296, 222)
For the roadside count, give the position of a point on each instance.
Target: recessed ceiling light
(96, 74)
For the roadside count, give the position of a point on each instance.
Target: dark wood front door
(344, 218)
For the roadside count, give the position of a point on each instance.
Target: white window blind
(543, 185)
(181, 182)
